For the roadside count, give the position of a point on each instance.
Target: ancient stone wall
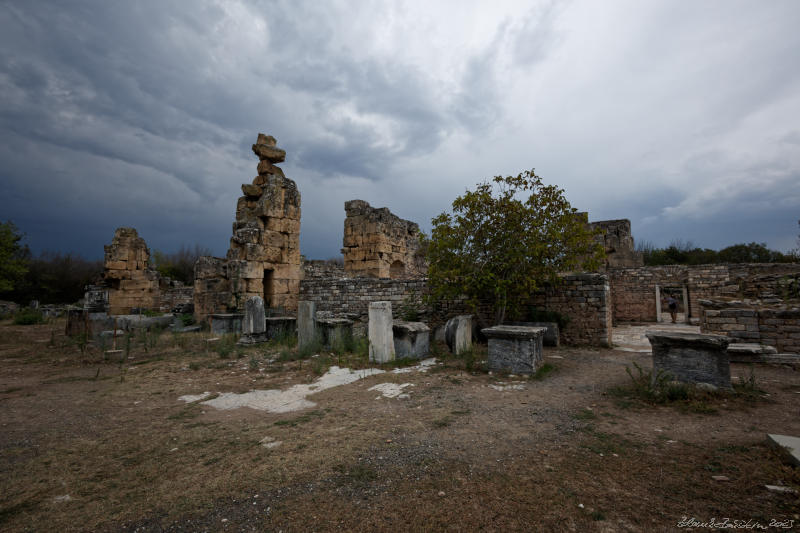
(777, 326)
(378, 244)
(264, 255)
(617, 240)
(131, 283)
(583, 297)
(633, 289)
(317, 269)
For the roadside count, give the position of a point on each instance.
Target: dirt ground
(91, 444)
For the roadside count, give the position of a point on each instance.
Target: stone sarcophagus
(515, 349)
(691, 358)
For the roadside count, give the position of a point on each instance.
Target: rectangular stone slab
(691, 357)
(789, 446)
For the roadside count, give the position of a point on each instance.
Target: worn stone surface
(550, 338)
(127, 274)
(381, 341)
(378, 244)
(306, 323)
(458, 334)
(411, 339)
(254, 316)
(224, 323)
(617, 240)
(515, 349)
(691, 357)
(334, 332)
(789, 446)
(264, 255)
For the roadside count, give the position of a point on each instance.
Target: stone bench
(691, 357)
(411, 339)
(515, 349)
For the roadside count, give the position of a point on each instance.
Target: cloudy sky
(681, 116)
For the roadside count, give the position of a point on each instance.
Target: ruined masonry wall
(633, 289)
(264, 255)
(131, 282)
(585, 298)
(378, 244)
(774, 327)
(617, 240)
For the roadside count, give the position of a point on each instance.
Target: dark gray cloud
(142, 113)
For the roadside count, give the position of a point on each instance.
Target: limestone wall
(378, 244)
(778, 327)
(633, 289)
(583, 297)
(131, 283)
(264, 255)
(617, 240)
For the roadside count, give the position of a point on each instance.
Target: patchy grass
(644, 390)
(543, 371)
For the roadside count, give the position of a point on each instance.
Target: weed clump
(28, 316)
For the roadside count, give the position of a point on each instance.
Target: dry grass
(113, 436)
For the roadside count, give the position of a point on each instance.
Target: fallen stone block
(787, 445)
(411, 339)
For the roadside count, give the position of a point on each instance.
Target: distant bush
(27, 317)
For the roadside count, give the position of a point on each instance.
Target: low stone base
(551, 336)
(515, 349)
(691, 357)
(334, 331)
(224, 323)
(411, 339)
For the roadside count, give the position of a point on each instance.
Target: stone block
(334, 332)
(254, 316)
(223, 323)
(458, 334)
(691, 358)
(306, 323)
(411, 339)
(381, 341)
(515, 349)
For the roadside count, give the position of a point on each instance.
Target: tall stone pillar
(381, 339)
(306, 323)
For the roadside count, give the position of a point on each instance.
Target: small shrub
(28, 317)
(253, 362)
(543, 371)
(225, 346)
(409, 308)
(187, 319)
(151, 313)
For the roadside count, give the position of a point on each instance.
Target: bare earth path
(89, 445)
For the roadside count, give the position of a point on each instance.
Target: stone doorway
(681, 294)
(269, 287)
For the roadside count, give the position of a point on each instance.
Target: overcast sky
(682, 116)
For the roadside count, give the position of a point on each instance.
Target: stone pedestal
(458, 334)
(224, 323)
(515, 349)
(306, 323)
(381, 341)
(551, 336)
(279, 326)
(334, 331)
(691, 357)
(411, 339)
(254, 325)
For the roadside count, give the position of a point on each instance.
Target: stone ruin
(264, 255)
(617, 240)
(379, 244)
(127, 274)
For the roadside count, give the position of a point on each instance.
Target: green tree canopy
(13, 256)
(506, 239)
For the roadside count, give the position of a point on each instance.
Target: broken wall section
(127, 274)
(379, 244)
(264, 255)
(617, 240)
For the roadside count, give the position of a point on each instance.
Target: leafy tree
(13, 256)
(505, 240)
